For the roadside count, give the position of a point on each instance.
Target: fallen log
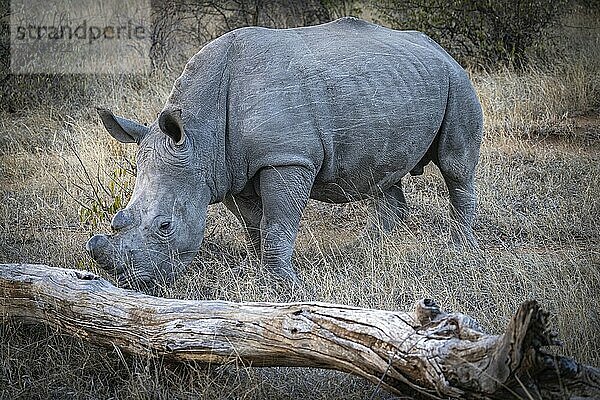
(424, 354)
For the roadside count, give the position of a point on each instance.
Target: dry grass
(538, 186)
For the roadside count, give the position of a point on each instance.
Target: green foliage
(108, 199)
(478, 32)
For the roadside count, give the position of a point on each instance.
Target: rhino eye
(165, 226)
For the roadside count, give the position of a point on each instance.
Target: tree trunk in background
(425, 354)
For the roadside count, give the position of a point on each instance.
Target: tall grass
(538, 186)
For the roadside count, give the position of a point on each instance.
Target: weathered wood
(426, 353)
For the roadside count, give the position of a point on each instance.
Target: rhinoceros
(264, 119)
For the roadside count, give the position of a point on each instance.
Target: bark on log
(425, 354)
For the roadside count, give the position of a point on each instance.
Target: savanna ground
(538, 187)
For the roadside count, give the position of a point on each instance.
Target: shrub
(182, 27)
(106, 200)
(477, 32)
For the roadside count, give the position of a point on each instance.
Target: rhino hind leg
(459, 179)
(248, 210)
(390, 208)
(463, 206)
(457, 156)
(284, 192)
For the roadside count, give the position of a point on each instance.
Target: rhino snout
(98, 247)
(120, 221)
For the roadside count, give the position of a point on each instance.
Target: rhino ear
(170, 123)
(124, 130)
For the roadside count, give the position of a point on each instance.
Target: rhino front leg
(284, 192)
(248, 210)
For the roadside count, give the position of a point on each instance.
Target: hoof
(287, 276)
(463, 243)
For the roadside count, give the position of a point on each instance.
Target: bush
(477, 32)
(182, 27)
(106, 199)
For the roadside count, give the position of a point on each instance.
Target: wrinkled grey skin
(263, 119)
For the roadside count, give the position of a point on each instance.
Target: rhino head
(158, 233)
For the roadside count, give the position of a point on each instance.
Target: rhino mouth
(140, 269)
(137, 280)
(149, 274)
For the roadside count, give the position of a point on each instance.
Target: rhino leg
(284, 192)
(463, 205)
(459, 177)
(390, 208)
(457, 156)
(248, 210)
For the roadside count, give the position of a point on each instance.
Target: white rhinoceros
(264, 119)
